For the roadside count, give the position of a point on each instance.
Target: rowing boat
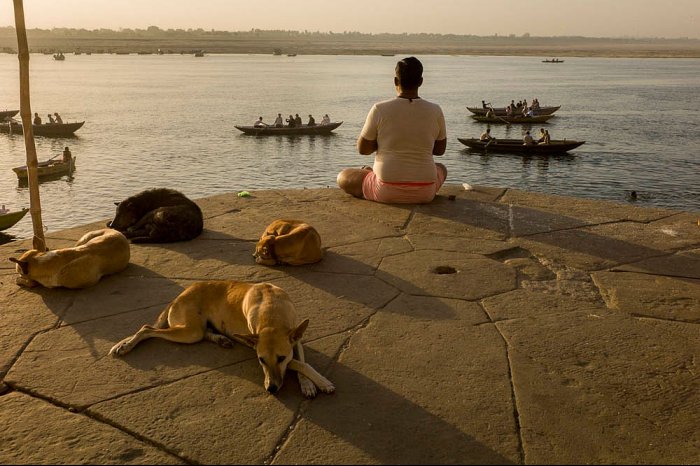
(517, 146)
(286, 130)
(48, 129)
(48, 169)
(7, 114)
(9, 219)
(501, 111)
(513, 119)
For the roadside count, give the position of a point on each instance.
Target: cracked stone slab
(36, 432)
(447, 274)
(606, 246)
(71, 364)
(605, 388)
(651, 295)
(588, 211)
(360, 258)
(461, 218)
(457, 244)
(528, 304)
(408, 395)
(224, 416)
(685, 264)
(26, 312)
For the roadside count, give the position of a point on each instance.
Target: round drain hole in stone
(444, 270)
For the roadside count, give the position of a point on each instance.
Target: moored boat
(7, 114)
(512, 119)
(9, 219)
(48, 169)
(286, 130)
(501, 111)
(555, 146)
(48, 129)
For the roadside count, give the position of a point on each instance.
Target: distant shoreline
(153, 40)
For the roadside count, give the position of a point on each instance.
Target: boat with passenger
(47, 129)
(287, 130)
(526, 120)
(555, 146)
(52, 168)
(501, 111)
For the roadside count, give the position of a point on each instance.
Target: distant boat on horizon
(553, 60)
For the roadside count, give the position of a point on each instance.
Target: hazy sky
(591, 18)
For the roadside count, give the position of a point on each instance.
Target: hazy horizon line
(319, 32)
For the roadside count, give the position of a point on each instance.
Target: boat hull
(513, 120)
(7, 114)
(501, 111)
(517, 146)
(271, 130)
(47, 169)
(49, 129)
(9, 220)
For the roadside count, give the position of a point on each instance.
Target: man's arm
(439, 147)
(366, 147)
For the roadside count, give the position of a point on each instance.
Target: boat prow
(9, 219)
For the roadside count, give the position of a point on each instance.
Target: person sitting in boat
(509, 111)
(37, 119)
(259, 123)
(326, 120)
(278, 121)
(67, 155)
(291, 122)
(3, 210)
(535, 104)
(527, 140)
(51, 120)
(297, 121)
(490, 113)
(544, 139)
(311, 122)
(484, 104)
(58, 118)
(486, 136)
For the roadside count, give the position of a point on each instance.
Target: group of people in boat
(521, 108)
(528, 140)
(55, 118)
(294, 121)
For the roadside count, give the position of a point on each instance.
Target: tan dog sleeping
(96, 254)
(288, 242)
(257, 315)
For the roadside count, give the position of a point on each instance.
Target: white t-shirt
(405, 131)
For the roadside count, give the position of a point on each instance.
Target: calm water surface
(167, 121)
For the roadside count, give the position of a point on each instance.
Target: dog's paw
(326, 386)
(120, 349)
(223, 341)
(308, 388)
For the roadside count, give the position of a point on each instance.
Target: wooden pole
(26, 113)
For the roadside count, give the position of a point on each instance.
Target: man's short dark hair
(409, 72)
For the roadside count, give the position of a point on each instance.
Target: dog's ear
(296, 334)
(116, 203)
(247, 340)
(24, 265)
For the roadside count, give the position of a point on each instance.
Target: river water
(167, 121)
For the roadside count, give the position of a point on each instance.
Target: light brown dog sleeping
(289, 242)
(96, 254)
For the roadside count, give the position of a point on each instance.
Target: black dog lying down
(159, 215)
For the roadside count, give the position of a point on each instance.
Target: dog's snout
(109, 224)
(272, 389)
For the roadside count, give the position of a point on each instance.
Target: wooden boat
(501, 111)
(52, 168)
(59, 56)
(48, 129)
(556, 60)
(513, 120)
(517, 146)
(9, 219)
(286, 130)
(7, 114)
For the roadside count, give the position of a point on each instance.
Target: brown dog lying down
(260, 316)
(288, 242)
(96, 254)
